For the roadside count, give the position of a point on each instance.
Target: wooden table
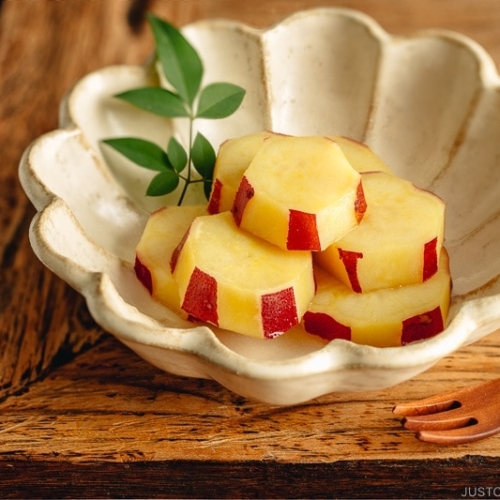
(81, 416)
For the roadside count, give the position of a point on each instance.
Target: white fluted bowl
(429, 105)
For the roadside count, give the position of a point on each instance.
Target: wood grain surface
(82, 416)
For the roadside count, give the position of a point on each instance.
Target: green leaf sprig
(183, 69)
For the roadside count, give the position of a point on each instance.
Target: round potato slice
(239, 282)
(398, 242)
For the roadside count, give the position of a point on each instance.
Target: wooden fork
(462, 416)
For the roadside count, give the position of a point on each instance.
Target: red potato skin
(143, 275)
(200, 300)
(326, 327)
(279, 312)
(360, 203)
(430, 259)
(351, 139)
(178, 249)
(214, 202)
(302, 232)
(244, 194)
(350, 261)
(422, 326)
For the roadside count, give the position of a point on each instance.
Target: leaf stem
(187, 180)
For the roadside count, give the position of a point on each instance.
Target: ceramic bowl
(428, 104)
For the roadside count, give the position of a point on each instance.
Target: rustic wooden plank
(466, 478)
(109, 422)
(108, 395)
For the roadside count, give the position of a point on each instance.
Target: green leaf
(177, 155)
(180, 62)
(182, 67)
(145, 153)
(156, 100)
(219, 100)
(163, 183)
(203, 156)
(207, 188)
